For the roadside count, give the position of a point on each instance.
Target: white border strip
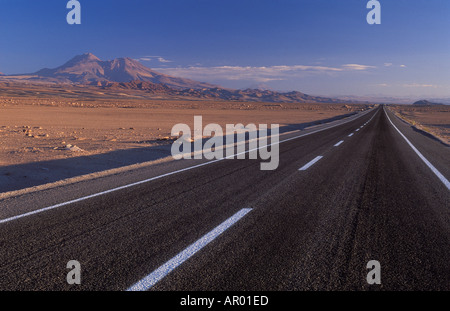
(433, 169)
(170, 173)
(150, 280)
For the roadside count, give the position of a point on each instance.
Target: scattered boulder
(70, 147)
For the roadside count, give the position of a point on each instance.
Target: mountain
(89, 69)
(218, 93)
(424, 102)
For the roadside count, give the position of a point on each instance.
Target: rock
(73, 148)
(70, 147)
(188, 139)
(163, 138)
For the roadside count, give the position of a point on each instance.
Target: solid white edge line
(157, 275)
(430, 166)
(101, 193)
(310, 163)
(337, 144)
(38, 211)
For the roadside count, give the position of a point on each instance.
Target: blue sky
(314, 46)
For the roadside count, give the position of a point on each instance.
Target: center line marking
(310, 163)
(150, 280)
(38, 211)
(350, 135)
(339, 143)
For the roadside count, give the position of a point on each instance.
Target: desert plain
(51, 133)
(37, 126)
(433, 119)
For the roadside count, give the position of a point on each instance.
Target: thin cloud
(393, 65)
(163, 60)
(417, 85)
(150, 58)
(357, 67)
(260, 74)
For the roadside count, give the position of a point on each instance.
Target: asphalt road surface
(341, 197)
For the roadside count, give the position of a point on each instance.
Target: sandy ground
(49, 134)
(32, 131)
(432, 119)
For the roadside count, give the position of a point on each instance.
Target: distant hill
(260, 95)
(424, 102)
(219, 93)
(89, 69)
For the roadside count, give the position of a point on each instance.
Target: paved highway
(368, 188)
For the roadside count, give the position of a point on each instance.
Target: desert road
(369, 188)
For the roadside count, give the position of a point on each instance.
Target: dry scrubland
(46, 125)
(432, 119)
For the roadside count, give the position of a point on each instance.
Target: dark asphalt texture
(371, 198)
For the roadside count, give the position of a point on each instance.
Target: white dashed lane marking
(310, 163)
